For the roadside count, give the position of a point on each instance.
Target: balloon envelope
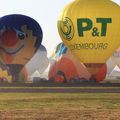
(90, 29)
(20, 37)
(65, 62)
(38, 62)
(64, 69)
(116, 57)
(110, 65)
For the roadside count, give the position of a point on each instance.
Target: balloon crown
(16, 21)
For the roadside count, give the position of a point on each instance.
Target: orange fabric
(66, 66)
(9, 58)
(59, 79)
(100, 76)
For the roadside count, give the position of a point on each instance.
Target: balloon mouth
(11, 51)
(97, 65)
(93, 68)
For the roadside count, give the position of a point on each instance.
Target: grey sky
(46, 12)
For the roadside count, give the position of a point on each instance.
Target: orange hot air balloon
(83, 74)
(101, 75)
(63, 70)
(90, 29)
(83, 71)
(20, 37)
(80, 67)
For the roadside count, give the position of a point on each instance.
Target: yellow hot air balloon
(90, 29)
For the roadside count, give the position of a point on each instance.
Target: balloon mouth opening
(97, 65)
(10, 50)
(93, 68)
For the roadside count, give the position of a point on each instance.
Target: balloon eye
(21, 36)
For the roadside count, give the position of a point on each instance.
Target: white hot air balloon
(116, 57)
(38, 62)
(110, 66)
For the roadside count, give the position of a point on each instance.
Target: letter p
(82, 28)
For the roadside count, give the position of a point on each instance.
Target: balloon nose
(9, 39)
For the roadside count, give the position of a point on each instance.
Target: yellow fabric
(83, 46)
(4, 74)
(26, 53)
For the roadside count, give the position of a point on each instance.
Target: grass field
(39, 106)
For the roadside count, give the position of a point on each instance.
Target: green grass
(38, 100)
(37, 106)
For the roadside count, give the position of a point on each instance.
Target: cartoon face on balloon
(20, 37)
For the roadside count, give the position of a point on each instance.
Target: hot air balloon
(20, 37)
(66, 67)
(63, 70)
(90, 29)
(110, 66)
(115, 75)
(23, 75)
(38, 62)
(116, 57)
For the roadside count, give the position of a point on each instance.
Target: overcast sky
(46, 12)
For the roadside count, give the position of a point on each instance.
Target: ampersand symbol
(95, 32)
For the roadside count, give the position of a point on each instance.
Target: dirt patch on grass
(60, 114)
